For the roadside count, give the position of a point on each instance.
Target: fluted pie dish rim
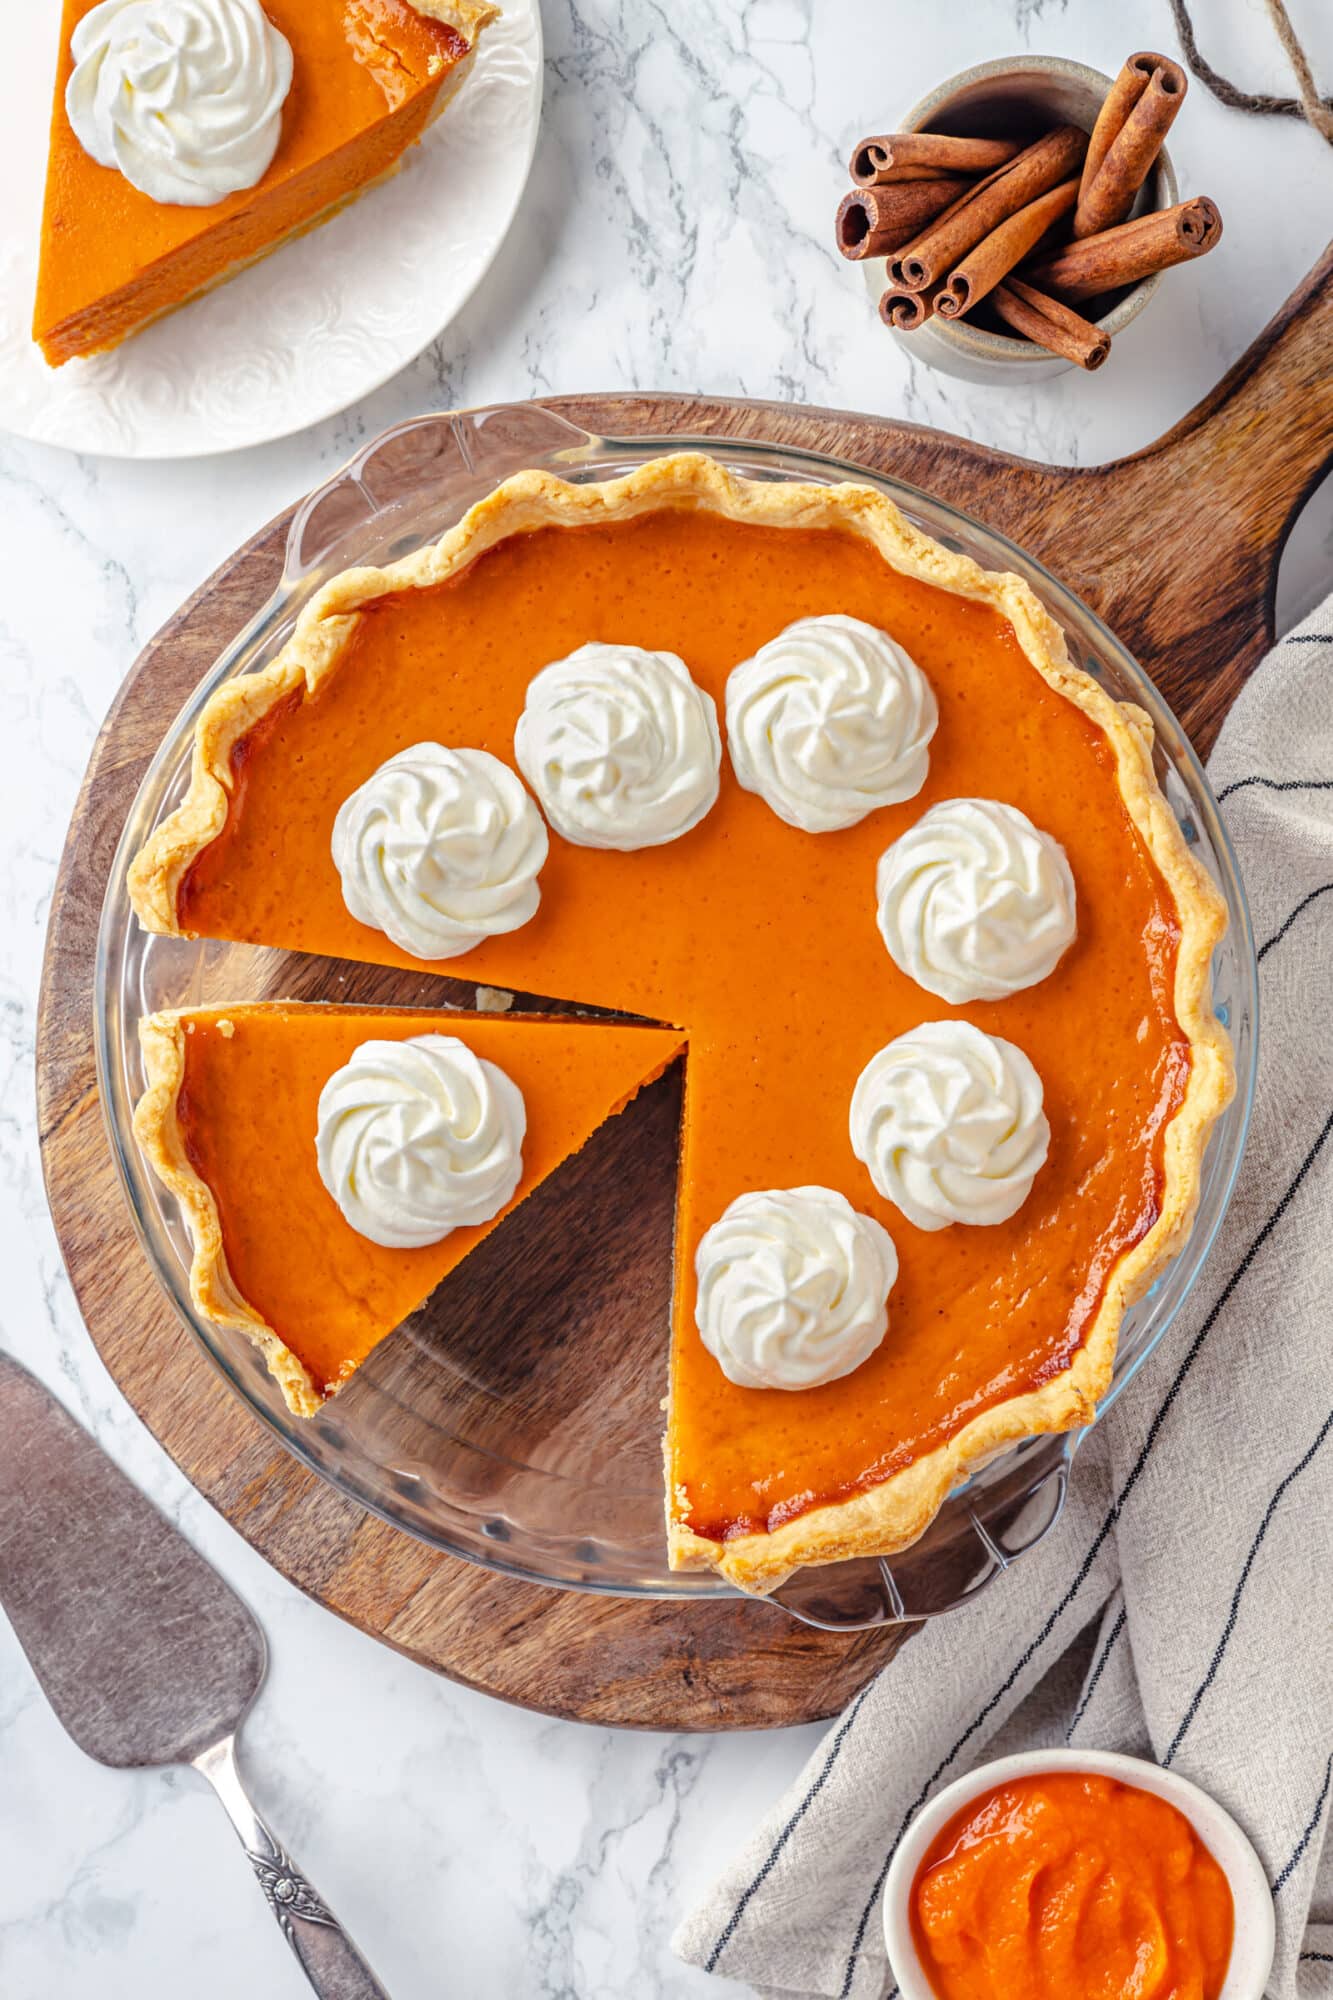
(892, 1514)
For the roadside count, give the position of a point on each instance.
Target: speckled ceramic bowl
(1016, 96)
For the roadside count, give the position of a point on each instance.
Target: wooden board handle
(1178, 546)
(1264, 437)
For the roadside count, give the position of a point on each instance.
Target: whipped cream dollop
(419, 1137)
(975, 902)
(950, 1123)
(440, 849)
(793, 1288)
(620, 746)
(829, 721)
(185, 97)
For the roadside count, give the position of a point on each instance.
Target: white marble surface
(676, 234)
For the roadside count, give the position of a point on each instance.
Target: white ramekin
(1252, 1946)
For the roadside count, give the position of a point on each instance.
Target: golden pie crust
(157, 1128)
(891, 1515)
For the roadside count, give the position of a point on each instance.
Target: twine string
(1317, 110)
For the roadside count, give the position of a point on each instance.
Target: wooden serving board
(1176, 547)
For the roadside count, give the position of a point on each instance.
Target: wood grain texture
(1176, 547)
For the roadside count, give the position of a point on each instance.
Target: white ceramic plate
(309, 330)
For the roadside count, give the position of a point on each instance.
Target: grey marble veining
(676, 234)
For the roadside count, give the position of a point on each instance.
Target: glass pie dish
(526, 1437)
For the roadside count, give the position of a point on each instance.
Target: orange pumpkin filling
(761, 942)
(248, 1112)
(366, 78)
(1071, 1886)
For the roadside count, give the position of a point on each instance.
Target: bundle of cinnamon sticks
(1034, 230)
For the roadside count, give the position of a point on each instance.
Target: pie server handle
(327, 1956)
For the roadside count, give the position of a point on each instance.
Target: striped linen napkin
(1183, 1606)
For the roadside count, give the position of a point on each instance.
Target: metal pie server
(142, 1650)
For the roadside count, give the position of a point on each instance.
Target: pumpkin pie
(779, 953)
(345, 87)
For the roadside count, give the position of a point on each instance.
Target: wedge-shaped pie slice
(368, 76)
(229, 1120)
(761, 940)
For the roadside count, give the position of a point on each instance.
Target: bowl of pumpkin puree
(1077, 1875)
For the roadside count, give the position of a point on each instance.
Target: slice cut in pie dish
(784, 930)
(229, 1119)
(366, 79)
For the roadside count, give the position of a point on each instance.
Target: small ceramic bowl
(1252, 1947)
(1018, 97)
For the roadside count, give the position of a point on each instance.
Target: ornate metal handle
(327, 1956)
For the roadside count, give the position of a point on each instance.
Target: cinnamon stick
(873, 221)
(925, 262)
(1134, 250)
(996, 255)
(906, 310)
(906, 155)
(1131, 126)
(1135, 75)
(897, 176)
(1049, 323)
